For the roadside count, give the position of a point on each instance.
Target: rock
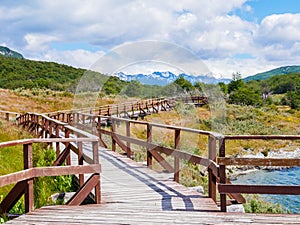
(199, 189)
(62, 197)
(237, 208)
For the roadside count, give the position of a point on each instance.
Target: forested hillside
(274, 72)
(16, 73)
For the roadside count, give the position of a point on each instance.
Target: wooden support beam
(113, 129)
(62, 157)
(128, 149)
(80, 162)
(68, 158)
(28, 164)
(13, 196)
(222, 175)
(84, 191)
(259, 189)
(162, 161)
(258, 161)
(149, 140)
(176, 158)
(212, 181)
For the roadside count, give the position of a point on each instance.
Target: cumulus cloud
(209, 29)
(281, 29)
(78, 58)
(38, 42)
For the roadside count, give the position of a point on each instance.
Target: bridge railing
(56, 134)
(215, 161)
(6, 115)
(223, 161)
(132, 109)
(125, 140)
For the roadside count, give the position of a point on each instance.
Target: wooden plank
(259, 189)
(47, 171)
(66, 170)
(262, 137)
(15, 177)
(258, 161)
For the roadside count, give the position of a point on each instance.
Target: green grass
(12, 161)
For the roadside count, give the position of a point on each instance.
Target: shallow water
(279, 177)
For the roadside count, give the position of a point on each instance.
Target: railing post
(176, 159)
(7, 116)
(108, 111)
(68, 159)
(46, 127)
(83, 119)
(57, 147)
(50, 129)
(80, 162)
(96, 161)
(113, 130)
(29, 196)
(211, 177)
(128, 149)
(222, 174)
(149, 140)
(77, 118)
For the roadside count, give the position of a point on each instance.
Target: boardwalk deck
(134, 194)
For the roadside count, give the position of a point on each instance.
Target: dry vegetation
(40, 100)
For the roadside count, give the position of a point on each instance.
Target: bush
(255, 204)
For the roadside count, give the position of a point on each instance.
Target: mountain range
(10, 53)
(164, 78)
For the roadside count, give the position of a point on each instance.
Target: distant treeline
(22, 73)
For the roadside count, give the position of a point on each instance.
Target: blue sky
(263, 8)
(227, 36)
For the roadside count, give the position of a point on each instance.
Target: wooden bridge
(132, 192)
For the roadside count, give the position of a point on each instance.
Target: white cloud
(207, 28)
(77, 58)
(38, 42)
(281, 29)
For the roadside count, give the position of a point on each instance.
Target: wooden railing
(224, 161)
(131, 110)
(6, 115)
(215, 162)
(92, 123)
(56, 134)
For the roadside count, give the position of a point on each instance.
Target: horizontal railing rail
(224, 161)
(6, 115)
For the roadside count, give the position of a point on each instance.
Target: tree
(184, 84)
(245, 96)
(133, 89)
(223, 87)
(236, 82)
(293, 99)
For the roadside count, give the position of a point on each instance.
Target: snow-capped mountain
(164, 78)
(10, 53)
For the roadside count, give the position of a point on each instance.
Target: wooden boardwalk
(134, 194)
